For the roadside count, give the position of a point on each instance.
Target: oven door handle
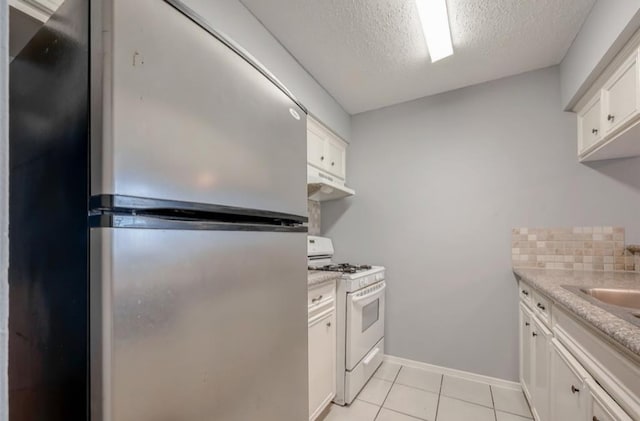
(371, 294)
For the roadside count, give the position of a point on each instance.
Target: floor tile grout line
(504, 411)
(526, 417)
(387, 395)
(493, 402)
(466, 401)
(439, 395)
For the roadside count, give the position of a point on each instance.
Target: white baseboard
(506, 384)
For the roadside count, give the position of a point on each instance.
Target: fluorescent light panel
(435, 25)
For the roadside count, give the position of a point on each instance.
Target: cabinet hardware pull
(328, 324)
(318, 298)
(611, 117)
(574, 389)
(527, 324)
(534, 334)
(525, 292)
(594, 131)
(322, 158)
(595, 418)
(540, 306)
(333, 163)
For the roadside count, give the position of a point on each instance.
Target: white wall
(235, 20)
(4, 207)
(439, 184)
(608, 27)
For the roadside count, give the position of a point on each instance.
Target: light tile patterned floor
(398, 393)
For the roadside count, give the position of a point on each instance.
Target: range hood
(322, 186)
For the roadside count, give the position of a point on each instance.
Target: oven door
(365, 322)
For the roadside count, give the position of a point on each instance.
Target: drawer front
(321, 295)
(541, 307)
(356, 379)
(525, 293)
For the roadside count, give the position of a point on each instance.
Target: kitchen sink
(623, 302)
(629, 298)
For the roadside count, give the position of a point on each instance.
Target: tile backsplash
(577, 248)
(314, 217)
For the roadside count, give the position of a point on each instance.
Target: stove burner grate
(342, 267)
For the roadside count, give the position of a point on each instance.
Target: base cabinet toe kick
(568, 371)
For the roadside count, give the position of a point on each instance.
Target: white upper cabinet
(620, 95)
(325, 150)
(336, 153)
(609, 114)
(589, 131)
(315, 145)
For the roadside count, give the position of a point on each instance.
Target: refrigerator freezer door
(198, 325)
(177, 114)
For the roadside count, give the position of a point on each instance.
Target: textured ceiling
(371, 53)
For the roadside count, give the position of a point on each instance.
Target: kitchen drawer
(525, 293)
(356, 379)
(321, 296)
(541, 307)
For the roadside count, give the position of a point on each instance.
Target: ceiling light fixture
(435, 25)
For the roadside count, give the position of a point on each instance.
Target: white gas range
(360, 308)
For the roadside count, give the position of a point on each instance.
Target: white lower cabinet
(535, 356)
(541, 346)
(603, 408)
(569, 397)
(555, 381)
(526, 362)
(322, 363)
(322, 349)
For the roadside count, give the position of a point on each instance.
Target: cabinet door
(621, 94)
(589, 119)
(315, 145)
(569, 399)
(603, 407)
(541, 344)
(336, 152)
(526, 361)
(322, 362)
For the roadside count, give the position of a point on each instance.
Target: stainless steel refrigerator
(196, 243)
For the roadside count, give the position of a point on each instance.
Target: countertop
(317, 277)
(550, 283)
